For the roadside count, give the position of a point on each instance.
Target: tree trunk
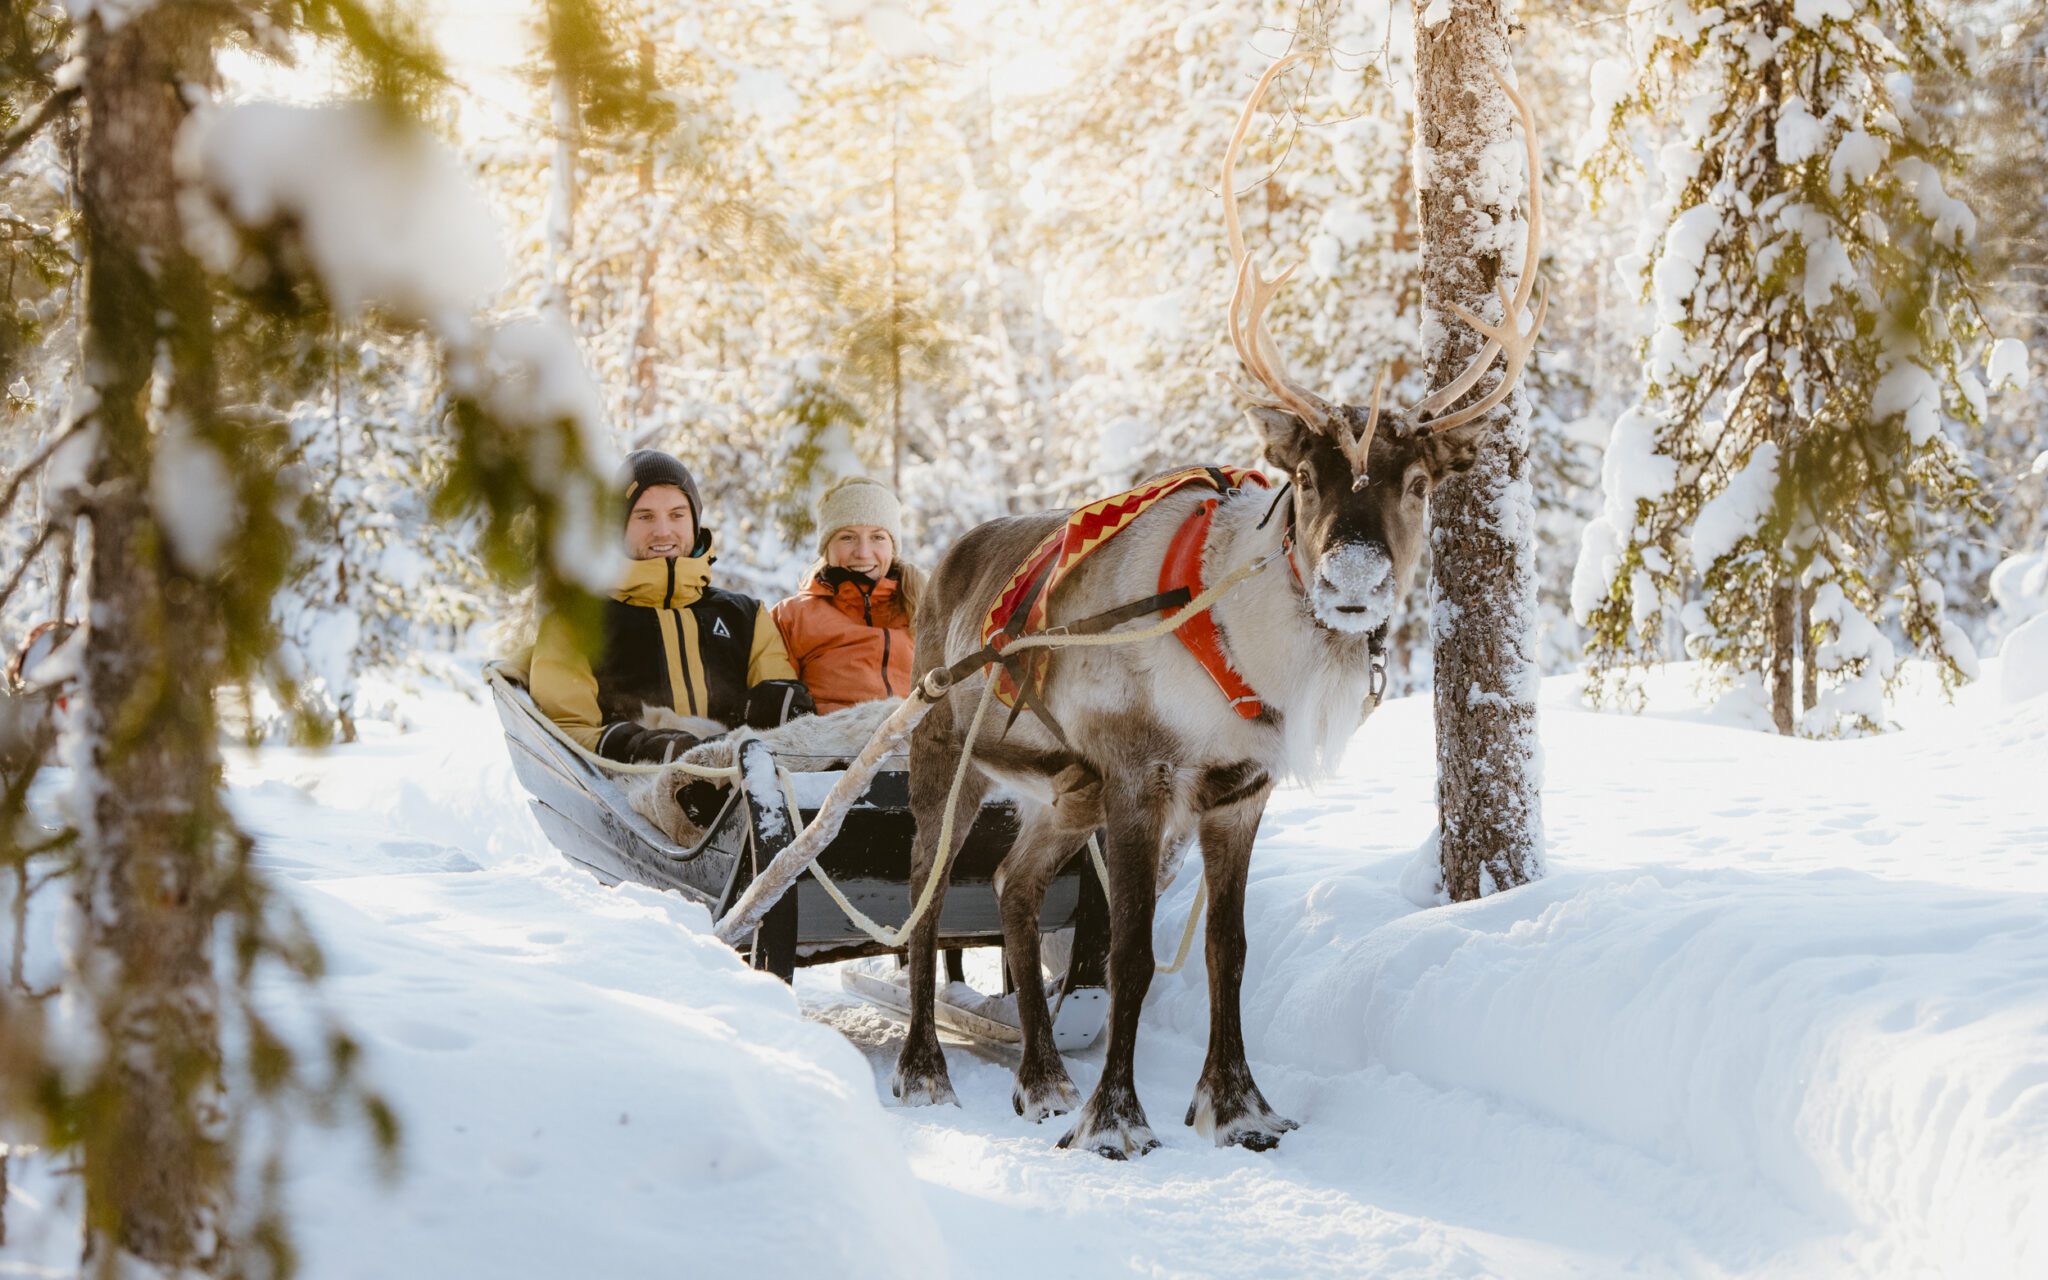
(155, 1167)
(1784, 651)
(895, 298)
(561, 223)
(1809, 683)
(644, 385)
(1483, 573)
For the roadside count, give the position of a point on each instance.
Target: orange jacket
(848, 644)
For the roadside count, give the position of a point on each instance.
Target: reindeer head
(1362, 476)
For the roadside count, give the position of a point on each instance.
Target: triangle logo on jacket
(718, 628)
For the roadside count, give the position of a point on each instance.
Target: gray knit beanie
(859, 500)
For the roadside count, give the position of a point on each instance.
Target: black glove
(635, 744)
(774, 702)
(701, 800)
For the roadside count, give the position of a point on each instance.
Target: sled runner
(580, 805)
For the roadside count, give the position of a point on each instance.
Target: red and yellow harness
(1022, 606)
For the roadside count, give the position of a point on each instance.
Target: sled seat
(583, 811)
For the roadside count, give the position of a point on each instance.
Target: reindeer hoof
(921, 1080)
(1114, 1129)
(1120, 1144)
(1251, 1124)
(925, 1092)
(1042, 1098)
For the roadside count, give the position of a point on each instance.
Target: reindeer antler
(1248, 334)
(1507, 335)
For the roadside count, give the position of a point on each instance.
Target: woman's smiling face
(866, 549)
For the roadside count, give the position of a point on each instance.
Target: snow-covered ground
(1780, 1008)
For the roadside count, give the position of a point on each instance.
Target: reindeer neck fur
(1314, 680)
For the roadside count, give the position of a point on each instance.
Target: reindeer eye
(1418, 487)
(1304, 476)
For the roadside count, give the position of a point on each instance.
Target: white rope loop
(1187, 933)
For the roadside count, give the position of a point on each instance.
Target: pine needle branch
(35, 463)
(49, 109)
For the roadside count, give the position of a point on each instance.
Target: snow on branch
(382, 211)
(382, 217)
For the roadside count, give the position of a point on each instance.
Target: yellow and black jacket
(671, 639)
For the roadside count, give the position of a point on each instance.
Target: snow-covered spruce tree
(1790, 462)
(2003, 107)
(1483, 575)
(219, 251)
(38, 222)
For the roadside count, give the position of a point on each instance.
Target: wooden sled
(584, 813)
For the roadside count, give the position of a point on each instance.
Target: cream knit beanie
(859, 500)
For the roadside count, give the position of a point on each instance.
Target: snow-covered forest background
(314, 367)
(976, 249)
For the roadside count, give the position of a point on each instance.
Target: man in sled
(671, 640)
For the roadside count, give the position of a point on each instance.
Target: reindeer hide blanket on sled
(823, 742)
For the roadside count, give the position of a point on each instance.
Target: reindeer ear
(1284, 436)
(1453, 450)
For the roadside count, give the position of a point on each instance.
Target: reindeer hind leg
(921, 1078)
(1044, 842)
(1112, 1122)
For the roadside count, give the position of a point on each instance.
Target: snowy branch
(36, 463)
(32, 124)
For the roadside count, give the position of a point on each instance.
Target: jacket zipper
(683, 654)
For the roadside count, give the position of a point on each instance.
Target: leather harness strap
(1182, 571)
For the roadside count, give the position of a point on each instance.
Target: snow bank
(2023, 661)
(590, 1084)
(1863, 1047)
(1827, 1033)
(2019, 587)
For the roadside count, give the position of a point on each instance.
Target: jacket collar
(851, 591)
(664, 583)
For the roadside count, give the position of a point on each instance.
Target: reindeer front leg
(921, 1078)
(1228, 1106)
(1113, 1123)
(1046, 838)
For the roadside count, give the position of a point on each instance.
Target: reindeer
(1140, 742)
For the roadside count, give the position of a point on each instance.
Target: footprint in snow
(430, 1036)
(514, 1164)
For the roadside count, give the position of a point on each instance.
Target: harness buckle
(1376, 682)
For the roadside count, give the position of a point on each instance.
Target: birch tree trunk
(155, 1166)
(1483, 575)
(561, 213)
(645, 340)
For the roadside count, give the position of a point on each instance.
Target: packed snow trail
(1780, 1009)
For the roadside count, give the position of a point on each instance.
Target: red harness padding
(1021, 607)
(1183, 568)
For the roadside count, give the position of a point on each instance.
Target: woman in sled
(848, 628)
